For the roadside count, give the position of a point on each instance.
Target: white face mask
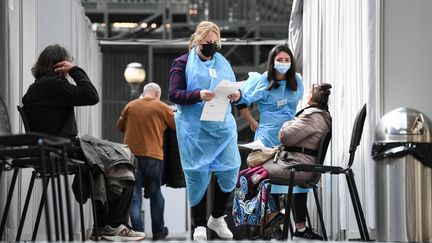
(282, 67)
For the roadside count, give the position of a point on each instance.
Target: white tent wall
(33, 25)
(85, 48)
(341, 47)
(22, 39)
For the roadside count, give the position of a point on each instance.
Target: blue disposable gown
(206, 146)
(276, 106)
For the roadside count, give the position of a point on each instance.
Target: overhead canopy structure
(185, 42)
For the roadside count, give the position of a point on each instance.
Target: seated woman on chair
(306, 130)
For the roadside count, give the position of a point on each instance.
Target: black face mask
(208, 50)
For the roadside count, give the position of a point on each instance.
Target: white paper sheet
(257, 144)
(215, 109)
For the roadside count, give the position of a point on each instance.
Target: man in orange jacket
(144, 121)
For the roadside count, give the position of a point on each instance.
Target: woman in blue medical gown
(277, 93)
(206, 147)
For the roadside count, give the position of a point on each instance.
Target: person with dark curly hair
(305, 131)
(49, 105)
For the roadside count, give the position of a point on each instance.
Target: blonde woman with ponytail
(206, 147)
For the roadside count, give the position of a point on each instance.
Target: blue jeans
(149, 176)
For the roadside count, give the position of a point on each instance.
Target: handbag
(258, 157)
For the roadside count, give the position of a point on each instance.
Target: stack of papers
(215, 109)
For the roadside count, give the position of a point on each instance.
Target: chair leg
(67, 193)
(39, 213)
(54, 199)
(45, 189)
(361, 222)
(8, 202)
(319, 210)
(293, 213)
(26, 205)
(92, 195)
(287, 218)
(81, 205)
(291, 228)
(264, 220)
(60, 199)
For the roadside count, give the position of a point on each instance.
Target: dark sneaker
(308, 234)
(161, 235)
(93, 234)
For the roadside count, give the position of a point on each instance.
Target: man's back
(144, 121)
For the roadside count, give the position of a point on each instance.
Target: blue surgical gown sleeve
(300, 86)
(254, 88)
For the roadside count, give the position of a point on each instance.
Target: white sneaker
(200, 234)
(121, 233)
(219, 226)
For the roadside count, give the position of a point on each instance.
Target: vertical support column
(150, 64)
(4, 53)
(256, 34)
(257, 47)
(106, 21)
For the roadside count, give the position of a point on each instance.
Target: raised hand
(63, 67)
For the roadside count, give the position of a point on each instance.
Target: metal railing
(221, 11)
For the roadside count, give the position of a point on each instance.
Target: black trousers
(199, 211)
(300, 207)
(117, 208)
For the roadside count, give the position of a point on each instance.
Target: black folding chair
(37, 151)
(336, 170)
(70, 166)
(31, 150)
(312, 183)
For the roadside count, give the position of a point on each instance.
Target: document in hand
(215, 109)
(255, 145)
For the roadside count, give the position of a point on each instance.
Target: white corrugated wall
(32, 25)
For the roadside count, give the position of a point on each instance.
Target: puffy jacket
(115, 160)
(306, 131)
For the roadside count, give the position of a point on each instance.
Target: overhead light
(144, 25)
(124, 25)
(193, 11)
(153, 25)
(94, 26)
(134, 73)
